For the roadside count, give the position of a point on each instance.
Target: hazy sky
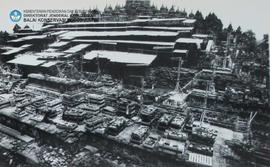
(249, 14)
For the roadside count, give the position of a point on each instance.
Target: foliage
(210, 24)
(248, 41)
(4, 37)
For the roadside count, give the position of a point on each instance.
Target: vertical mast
(98, 67)
(177, 86)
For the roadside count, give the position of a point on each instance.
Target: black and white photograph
(134, 83)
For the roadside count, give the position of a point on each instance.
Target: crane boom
(177, 86)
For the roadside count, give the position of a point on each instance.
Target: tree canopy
(210, 24)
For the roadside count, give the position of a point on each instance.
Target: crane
(119, 89)
(251, 118)
(68, 70)
(210, 84)
(205, 105)
(141, 92)
(60, 72)
(177, 86)
(98, 68)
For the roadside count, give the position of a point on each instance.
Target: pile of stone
(54, 157)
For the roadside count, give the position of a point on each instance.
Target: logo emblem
(15, 15)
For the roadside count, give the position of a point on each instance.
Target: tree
(199, 24)
(213, 24)
(230, 28)
(4, 37)
(238, 31)
(248, 41)
(198, 15)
